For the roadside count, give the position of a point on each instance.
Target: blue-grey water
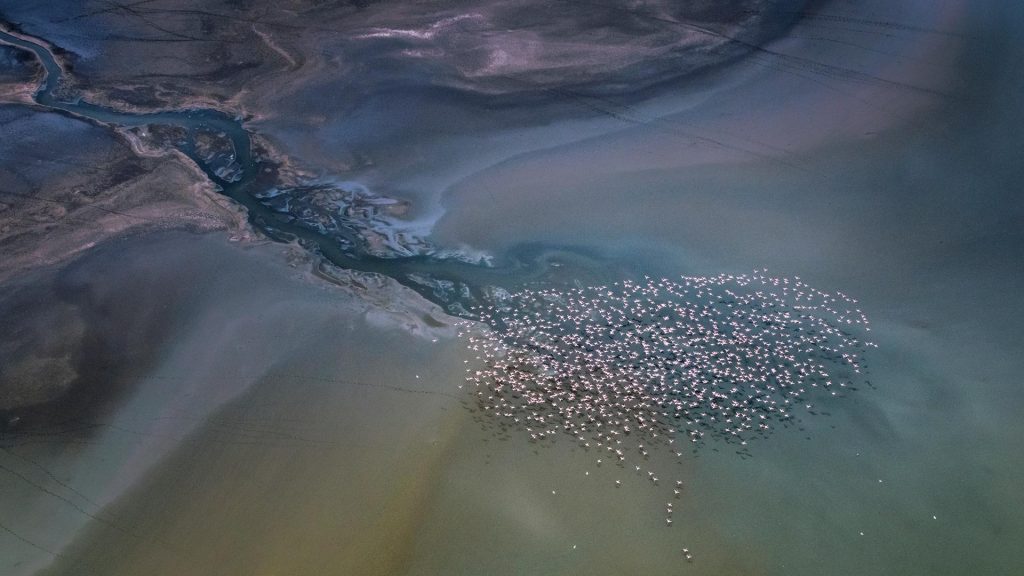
(891, 176)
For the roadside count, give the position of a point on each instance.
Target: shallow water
(920, 223)
(277, 430)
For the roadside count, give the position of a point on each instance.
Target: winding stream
(454, 284)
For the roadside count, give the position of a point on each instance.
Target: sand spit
(54, 206)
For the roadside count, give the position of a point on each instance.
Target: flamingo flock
(636, 366)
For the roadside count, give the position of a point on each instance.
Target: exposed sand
(54, 205)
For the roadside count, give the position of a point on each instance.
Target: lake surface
(273, 423)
